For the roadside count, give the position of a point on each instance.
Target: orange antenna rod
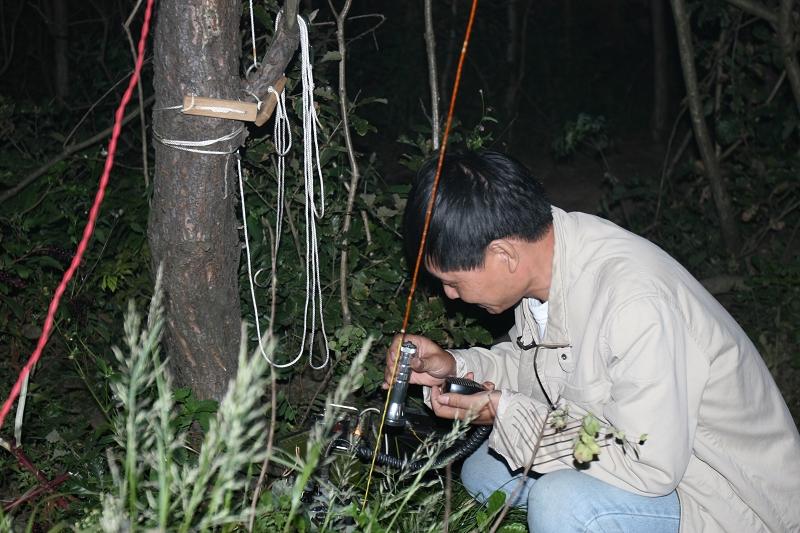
(425, 226)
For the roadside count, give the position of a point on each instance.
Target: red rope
(89, 229)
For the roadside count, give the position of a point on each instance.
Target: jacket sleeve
(498, 364)
(645, 345)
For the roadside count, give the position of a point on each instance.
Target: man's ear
(505, 251)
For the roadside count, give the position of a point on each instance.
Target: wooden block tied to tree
(234, 109)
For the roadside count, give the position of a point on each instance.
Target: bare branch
(281, 49)
(140, 93)
(355, 175)
(786, 36)
(430, 47)
(753, 7)
(727, 221)
(30, 178)
(273, 383)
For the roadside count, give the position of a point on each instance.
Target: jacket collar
(557, 327)
(557, 331)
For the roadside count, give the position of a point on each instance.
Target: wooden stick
(268, 106)
(218, 108)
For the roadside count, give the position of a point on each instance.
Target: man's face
(494, 287)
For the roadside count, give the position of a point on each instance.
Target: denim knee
(572, 501)
(484, 472)
(474, 475)
(552, 501)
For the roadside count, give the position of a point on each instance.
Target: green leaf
(181, 394)
(495, 501)
(582, 453)
(361, 126)
(332, 55)
(591, 425)
(516, 527)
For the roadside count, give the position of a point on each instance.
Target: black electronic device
(462, 386)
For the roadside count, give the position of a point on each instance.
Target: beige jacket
(639, 343)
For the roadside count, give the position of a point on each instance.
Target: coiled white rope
(282, 137)
(283, 142)
(313, 284)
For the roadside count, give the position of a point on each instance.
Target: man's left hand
(480, 408)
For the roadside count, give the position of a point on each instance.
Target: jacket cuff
(461, 363)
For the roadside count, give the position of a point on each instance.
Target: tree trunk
(727, 221)
(450, 53)
(786, 36)
(60, 30)
(658, 122)
(192, 228)
(512, 57)
(433, 82)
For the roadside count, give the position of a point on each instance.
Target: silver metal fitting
(394, 414)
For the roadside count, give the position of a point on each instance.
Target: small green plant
(587, 132)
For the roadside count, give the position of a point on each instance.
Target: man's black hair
(482, 196)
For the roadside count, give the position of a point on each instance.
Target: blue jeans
(569, 501)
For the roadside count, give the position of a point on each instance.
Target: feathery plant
(159, 488)
(156, 489)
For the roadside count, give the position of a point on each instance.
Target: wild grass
(160, 483)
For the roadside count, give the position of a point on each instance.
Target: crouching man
(609, 324)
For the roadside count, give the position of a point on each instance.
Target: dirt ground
(577, 184)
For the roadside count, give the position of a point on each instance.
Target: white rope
(191, 146)
(310, 121)
(250, 276)
(259, 103)
(282, 136)
(313, 284)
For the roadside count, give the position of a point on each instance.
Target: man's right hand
(429, 367)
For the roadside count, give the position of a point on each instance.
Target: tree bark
(755, 8)
(727, 221)
(786, 36)
(60, 29)
(192, 228)
(433, 82)
(355, 175)
(512, 57)
(658, 122)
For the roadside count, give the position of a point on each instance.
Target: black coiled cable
(473, 440)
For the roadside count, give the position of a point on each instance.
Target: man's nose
(450, 292)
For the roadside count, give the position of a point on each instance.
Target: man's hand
(480, 408)
(429, 367)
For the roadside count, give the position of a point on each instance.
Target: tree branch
(786, 38)
(140, 93)
(354, 172)
(73, 148)
(430, 47)
(727, 222)
(754, 8)
(280, 52)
